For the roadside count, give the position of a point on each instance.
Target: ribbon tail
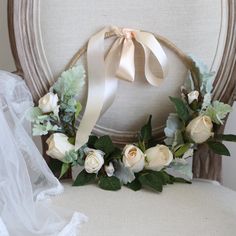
(151, 45)
(111, 81)
(96, 87)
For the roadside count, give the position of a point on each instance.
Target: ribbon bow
(103, 74)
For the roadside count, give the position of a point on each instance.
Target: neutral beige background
(6, 63)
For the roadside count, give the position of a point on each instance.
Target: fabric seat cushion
(202, 208)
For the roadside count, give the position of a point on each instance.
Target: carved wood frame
(24, 28)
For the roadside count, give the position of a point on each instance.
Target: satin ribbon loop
(103, 74)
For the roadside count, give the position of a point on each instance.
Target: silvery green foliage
(188, 84)
(173, 124)
(206, 78)
(42, 124)
(70, 83)
(43, 129)
(217, 111)
(124, 174)
(71, 157)
(206, 101)
(33, 114)
(182, 167)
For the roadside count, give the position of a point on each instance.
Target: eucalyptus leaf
(202, 76)
(71, 156)
(188, 84)
(206, 101)
(124, 174)
(172, 124)
(182, 167)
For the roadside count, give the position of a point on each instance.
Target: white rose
(193, 96)
(133, 158)
(48, 102)
(109, 169)
(200, 129)
(158, 157)
(58, 145)
(94, 161)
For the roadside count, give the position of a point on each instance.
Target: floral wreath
(144, 163)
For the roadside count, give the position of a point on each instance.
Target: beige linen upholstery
(201, 209)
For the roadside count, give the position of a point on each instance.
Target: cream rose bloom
(158, 157)
(133, 158)
(48, 102)
(110, 169)
(58, 145)
(94, 161)
(200, 129)
(193, 96)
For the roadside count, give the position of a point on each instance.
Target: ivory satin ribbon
(103, 74)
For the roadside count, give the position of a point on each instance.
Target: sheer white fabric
(24, 175)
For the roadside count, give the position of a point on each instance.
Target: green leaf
(71, 140)
(167, 177)
(134, 185)
(55, 166)
(180, 150)
(115, 155)
(178, 138)
(218, 148)
(104, 144)
(146, 131)
(171, 179)
(109, 183)
(181, 108)
(151, 180)
(181, 180)
(92, 140)
(78, 109)
(84, 178)
(64, 168)
(226, 137)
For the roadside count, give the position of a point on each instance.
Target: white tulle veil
(24, 175)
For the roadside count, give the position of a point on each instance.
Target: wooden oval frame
(30, 60)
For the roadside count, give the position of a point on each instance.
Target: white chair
(44, 37)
